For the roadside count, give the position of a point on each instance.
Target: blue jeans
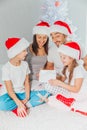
(8, 104)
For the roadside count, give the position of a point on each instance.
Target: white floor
(43, 118)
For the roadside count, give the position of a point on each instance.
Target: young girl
(15, 93)
(73, 80)
(38, 49)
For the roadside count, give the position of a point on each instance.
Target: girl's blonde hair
(74, 64)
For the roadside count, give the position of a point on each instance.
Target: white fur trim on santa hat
(69, 51)
(41, 30)
(83, 51)
(60, 29)
(21, 45)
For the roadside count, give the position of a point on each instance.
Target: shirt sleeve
(50, 56)
(79, 72)
(27, 69)
(5, 74)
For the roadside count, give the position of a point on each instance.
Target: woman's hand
(21, 112)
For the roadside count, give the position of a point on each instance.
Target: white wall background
(17, 18)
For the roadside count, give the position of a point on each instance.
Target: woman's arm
(75, 88)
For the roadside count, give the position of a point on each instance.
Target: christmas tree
(53, 10)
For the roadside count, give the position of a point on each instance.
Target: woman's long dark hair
(35, 45)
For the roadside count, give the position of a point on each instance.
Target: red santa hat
(41, 28)
(71, 49)
(61, 27)
(15, 46)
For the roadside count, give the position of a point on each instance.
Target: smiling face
(66, 60)
(41, 39)
(22, 55)
(58, 38)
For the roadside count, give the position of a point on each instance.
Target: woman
(38, 49)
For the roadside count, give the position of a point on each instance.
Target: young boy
(16, 95)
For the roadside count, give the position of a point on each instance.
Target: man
(59, 33)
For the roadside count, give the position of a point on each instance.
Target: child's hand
(25, 101)
(54, 82)
(22, 110)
